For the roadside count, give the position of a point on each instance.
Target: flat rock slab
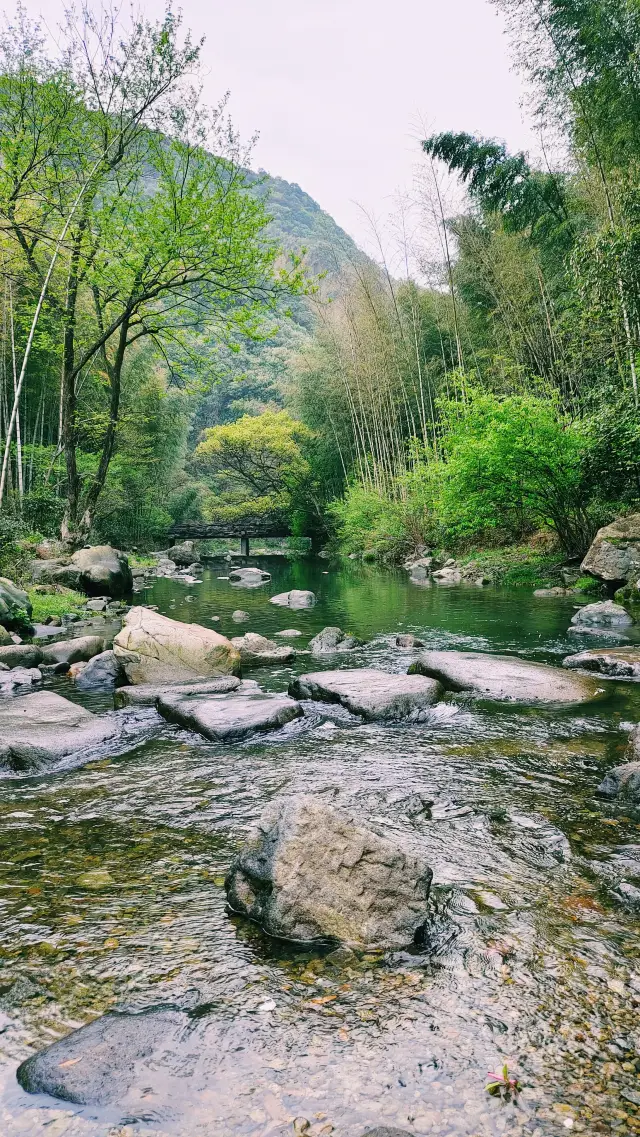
(98, 1064)
(613, 662)
(40, 728)
(223, 718)
(505, 678)
(370, 693)
(147, 694)
(19, 677)
(310, 872)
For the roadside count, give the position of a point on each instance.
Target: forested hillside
(185, 339)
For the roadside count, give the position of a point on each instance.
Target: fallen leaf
(69, 1062)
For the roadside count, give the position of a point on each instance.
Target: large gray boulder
(103, 571)
(224, 718)
(310, 872)
(154, 649)
(296, 598)
(103, 672)
(99, 571)
(21, 655)
(331, 640)
(184, 554)
(614, 555)
(147, 694)
(257, 651)
(14, 604)
(40, 728)
(98, 1063)
(505, 678)
(614, 662)
(603, 614)
(66, 652)
(370, 693)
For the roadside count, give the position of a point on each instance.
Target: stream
(533, 961)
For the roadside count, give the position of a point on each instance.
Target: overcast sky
(337, 88)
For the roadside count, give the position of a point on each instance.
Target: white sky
(337, 88)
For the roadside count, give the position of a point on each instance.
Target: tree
(162, 239)
(258, 465)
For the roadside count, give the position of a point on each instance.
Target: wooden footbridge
(245, 530)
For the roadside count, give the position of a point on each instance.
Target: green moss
(517, 566)
(55, 602)
(590, 586)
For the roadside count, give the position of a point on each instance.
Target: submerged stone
(505, 678)
(310, 872)
(624, 781)
(40, 728)
(331, 640)
(19, 677)
(370, 693)
(408, 641)
(296, 598)
(257, 651)
(223, 718)
(103, 672)
(98, 1063)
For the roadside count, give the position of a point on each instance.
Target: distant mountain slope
(298, 222)
(255, 377)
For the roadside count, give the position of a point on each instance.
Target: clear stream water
(533, 959)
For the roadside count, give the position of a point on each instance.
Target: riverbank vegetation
(479, 392)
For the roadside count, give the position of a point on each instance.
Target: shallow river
(533, 960)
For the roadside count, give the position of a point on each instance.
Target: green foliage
(257, 468)
(367, 522)
(513, 464)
